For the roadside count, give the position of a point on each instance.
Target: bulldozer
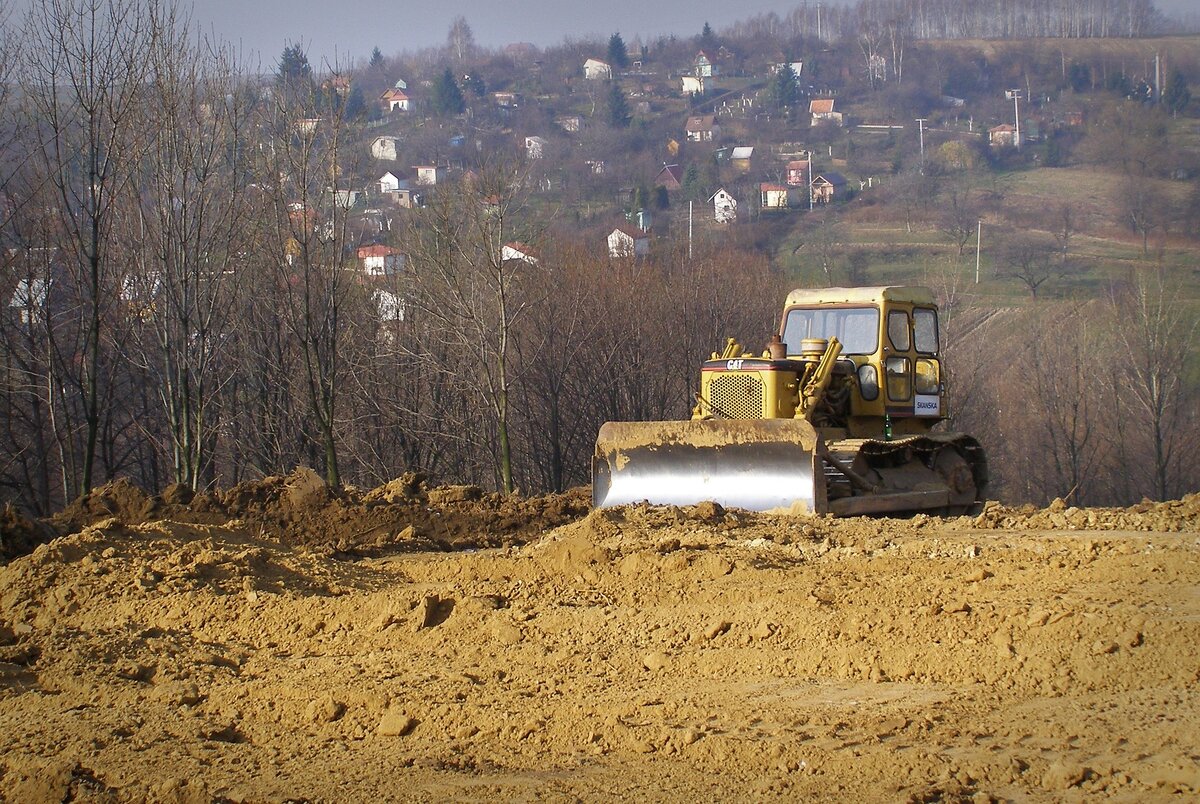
(836, 416)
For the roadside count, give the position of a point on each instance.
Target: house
(519, 251)
(628, 242)
(507, 100)
(741, 156)
(571, 122)
(394, 100)
(407, 198)
(702, 128)
(1002, 135)
(821, 109)
(596, 70)
(776, 196)
(389, 183)
(724, 206)
(671, 177)
(695, 84)
(380, 260)
(384, 148)
(535, 147)
(430, 174)
(389, 303)
(704, 66)
(828, 187)
(345, 199)
(797, 170)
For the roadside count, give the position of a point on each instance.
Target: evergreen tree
(376, 60)
(446, 98)
(708, 40)
(474, 82)
(784, 89)
(618, 107)
(1177, 96)
(294, 77)
(617, 55)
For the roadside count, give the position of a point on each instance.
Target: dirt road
(179, 652)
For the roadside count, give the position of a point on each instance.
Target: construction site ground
(277, 642)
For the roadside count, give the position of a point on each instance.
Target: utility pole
(819, 21)
(690, 229)
(1015, 96)
(921, 134)
(978, 240)
(810, 182)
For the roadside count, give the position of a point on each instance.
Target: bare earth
(276, 643)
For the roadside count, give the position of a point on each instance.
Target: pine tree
(376, 60)
(784, 88)
(1177, 95)
(708, 40)
(617, 55)
(446, 98)
(618, 107)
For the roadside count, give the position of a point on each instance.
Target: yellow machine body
(857, 372)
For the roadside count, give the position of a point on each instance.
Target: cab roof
(913, 294)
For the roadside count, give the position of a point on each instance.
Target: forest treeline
(965, 19)
(182, 302)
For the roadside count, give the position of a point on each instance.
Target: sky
(350, 29)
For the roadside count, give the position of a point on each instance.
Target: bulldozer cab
(889, 344)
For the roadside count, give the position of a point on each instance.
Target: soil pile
(640, 653)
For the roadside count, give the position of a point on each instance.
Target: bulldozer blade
(756, 464)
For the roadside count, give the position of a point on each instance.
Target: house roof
(629, 231)
(797, 164)
(835, 179)
(376, 250)
(718, 192)
(743, 152)
(672, 172)
(394, 94)
(1002, 127)
(597, 63)
(768, 186)
(522, 248)
(820, 106)
(701, 122)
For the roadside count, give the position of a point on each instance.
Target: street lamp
(1015, 96)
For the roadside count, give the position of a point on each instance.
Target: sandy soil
(278, 643)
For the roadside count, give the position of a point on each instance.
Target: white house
(380, 260)
(776, 196)
(519, 251)
(596, 70)
(390, 304)
(394, 100)
(822, 109)
(430, 174)
(702, 128)
(535, 147)
(695, 84)
(627, 242)
(384, 148)
(724, 206)
(390, 183)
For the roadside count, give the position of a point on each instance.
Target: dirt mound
(299, 508)
(19, 534)
(640, 653)
(1172, 516)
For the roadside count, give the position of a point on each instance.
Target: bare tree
(1156, 336)
(84, 73)
(475, 296)
(1029, 262)
(189, 228)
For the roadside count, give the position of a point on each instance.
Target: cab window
(899, 380)
(925, 329)
(857, 328)
(898, 330)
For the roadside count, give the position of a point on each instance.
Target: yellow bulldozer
(835, 416)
